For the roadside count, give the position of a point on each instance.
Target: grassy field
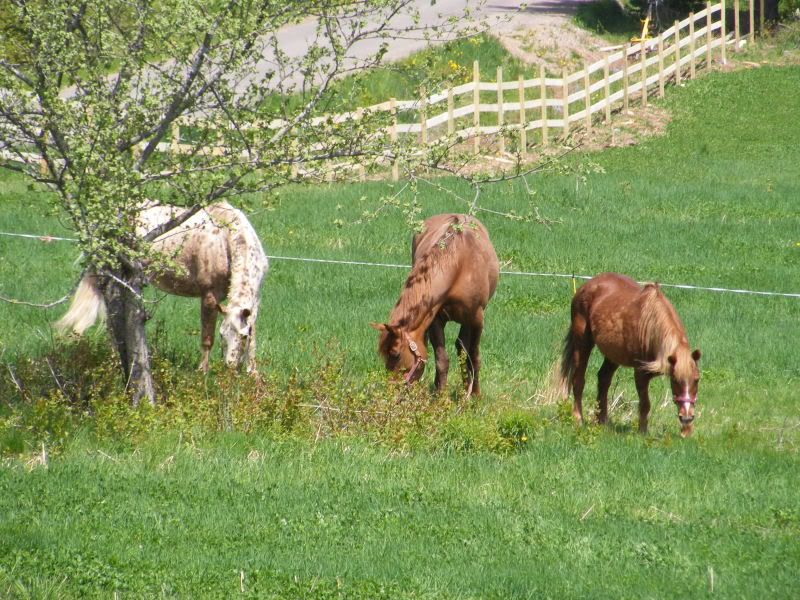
(496, 498)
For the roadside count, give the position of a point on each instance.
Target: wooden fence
(546, 108)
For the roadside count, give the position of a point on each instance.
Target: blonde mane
(661, 333)
(248, 260)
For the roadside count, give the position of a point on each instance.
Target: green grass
(563, 519)
(562, 512)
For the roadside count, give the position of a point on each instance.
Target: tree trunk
(126, 320)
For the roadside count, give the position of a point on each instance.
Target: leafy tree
(90, 94)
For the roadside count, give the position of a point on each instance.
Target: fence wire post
(523, 137)
(588, 98)
(677, 53)
(476, 105)
(643, 66)
(175, 139)
(761, 18)
(423, 117)
(722, 37)
(752, 33)
(625, 48)
(565, 103)
(543, 100)
(451, 125)
(607, 89)
(708, 34)
(501, 117)
(691, 46)
(736, 26)
(393, 137)
(661, 65)
(294, 169)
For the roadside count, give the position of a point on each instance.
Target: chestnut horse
(218, 255)
(453, 275)
(632, 326)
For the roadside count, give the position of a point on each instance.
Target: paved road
(498, 15)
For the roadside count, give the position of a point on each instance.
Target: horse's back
(201, 247)
(606, 287)
(468, 268)
(608, 305)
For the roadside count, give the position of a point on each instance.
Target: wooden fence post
(752, 34)
(523, 134)
(360, 169)
(423, 116)
(294, 170)
(691, 46)
(451, 125)
(722, 37)
(736, 28)
(761, 18)
(708, 34)
(565, 102)
(660, 65)
(677, 53)
(625, 76)
(501, 116)
(643, 64)
(543, 100)
(588, 98)
(476, 105)
(175, 139)
(393, 136)
(607, 89)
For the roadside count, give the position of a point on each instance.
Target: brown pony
(453, 275)
(635, 327)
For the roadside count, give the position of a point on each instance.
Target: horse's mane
(661, 333)
(437, 259)
(247, 260)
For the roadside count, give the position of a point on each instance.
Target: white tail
(87, 306)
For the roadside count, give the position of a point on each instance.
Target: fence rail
(543, 109)
(536, 111)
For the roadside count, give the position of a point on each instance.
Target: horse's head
(234, 332)
(400, 352)
(684, 378)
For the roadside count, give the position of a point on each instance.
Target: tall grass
(323, 498)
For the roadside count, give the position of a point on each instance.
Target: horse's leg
(604, 376)
(474, 358)
(582, 345)
(436, 337)
(642, 379)
(251, 343)
(208, 323)
(462, 351)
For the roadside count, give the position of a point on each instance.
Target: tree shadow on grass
(607, 17)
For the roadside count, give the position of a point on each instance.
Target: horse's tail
(87, 306)
(567, 369)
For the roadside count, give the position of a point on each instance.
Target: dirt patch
(556, 45)
(625, 129)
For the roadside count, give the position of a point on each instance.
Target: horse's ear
(222, 309)
(378, 327)
(696, 355)
(672, 359)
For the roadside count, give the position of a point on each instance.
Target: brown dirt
(556, 45)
